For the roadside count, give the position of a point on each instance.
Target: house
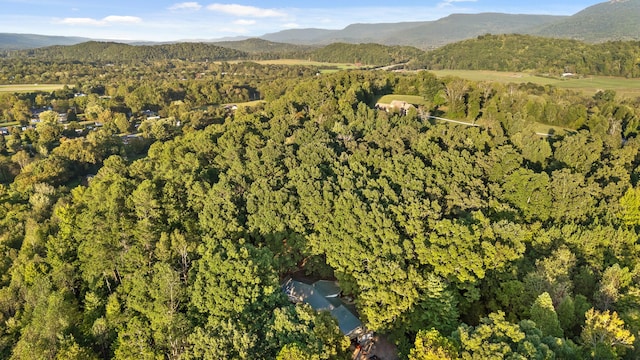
(324, 295)
(396, 105)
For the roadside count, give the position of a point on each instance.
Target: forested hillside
(95, 51)
(168, 236)
(552, 56)
(367, 54)
(251, 49)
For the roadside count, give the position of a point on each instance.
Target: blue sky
(160, 20)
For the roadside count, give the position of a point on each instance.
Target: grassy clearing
(9, 123)
(30, 87)
(248, 103)
(411, 99)
(495, 76)
(589, 85)
(323, 65)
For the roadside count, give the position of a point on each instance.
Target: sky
(160, 20)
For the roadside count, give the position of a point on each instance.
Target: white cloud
(248, 11)
(291, 26)
(194, 6)
(122, 19)
(446, 3)
(79, 21)
(244, 22)
(102, 22)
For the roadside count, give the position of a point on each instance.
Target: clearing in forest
(15, 88)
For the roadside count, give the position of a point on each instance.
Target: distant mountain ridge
(10, 41)
(612, 20)
(608, 21)
(424, 34)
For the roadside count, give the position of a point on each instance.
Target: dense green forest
(168, 236)
(543, 55)
(95, 51)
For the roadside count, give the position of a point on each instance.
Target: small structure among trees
(396, 106)
(324, 295)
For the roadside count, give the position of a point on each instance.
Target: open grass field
(30, 87)
(324, 66)
(589, 85)
(411, 99)
(307, 63)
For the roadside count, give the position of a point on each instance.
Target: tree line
(487, 52)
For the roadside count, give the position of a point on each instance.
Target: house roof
(323, 295)
(327, 288)
(347, 322)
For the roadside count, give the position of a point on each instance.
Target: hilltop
(612, 20)
(96, 51)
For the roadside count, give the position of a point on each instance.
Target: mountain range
(424, 35)
(612, 20)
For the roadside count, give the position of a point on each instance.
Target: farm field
(325, 67)
(30, 87)
(589, 85)
(411, 99)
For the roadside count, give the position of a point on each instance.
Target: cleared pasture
(589, 85)
(322, 65)
(18, 88)
(411, 99)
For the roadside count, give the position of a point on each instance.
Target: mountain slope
(458, 27)
(29, 41)
(299, 36)
(423, 34)
(258, 46)
(613, 20)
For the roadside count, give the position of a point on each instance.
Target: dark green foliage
(366, 54)
(543, 55)
(494, 234)
(105, 52)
